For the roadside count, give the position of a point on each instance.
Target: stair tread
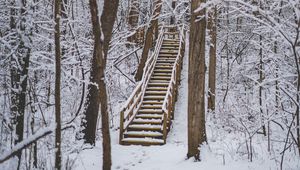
(143, 140)
(152, 102)
(159, 81)
(144, 133)
(158, 84)
(145, 126)
(151, 111)
(161, 77)
(137, 127)
(157, 116)
(166, 71)
(164, 67)
(155, 97)
(140, 120)
(156, 92)
(162, 74)
(151, 106)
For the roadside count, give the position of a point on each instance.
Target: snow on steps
(140, 127)
(143, 134)
(151, 121)
(151, 111)
(142, 141)
(153, 116)
(147, 128)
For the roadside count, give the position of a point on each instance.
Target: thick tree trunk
(19, 74)
(148, 40)
(133, 19)
(196, 81)
(212, 59)
(57, 13)
(98, 94)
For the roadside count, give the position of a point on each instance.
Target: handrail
(169, 99)
(134, 102)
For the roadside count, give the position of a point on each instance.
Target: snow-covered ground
(221, 153)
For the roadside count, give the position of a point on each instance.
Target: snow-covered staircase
(147, 115)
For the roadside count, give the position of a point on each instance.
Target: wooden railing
(170, 99)
(134, 102)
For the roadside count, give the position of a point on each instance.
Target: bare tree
(196, 80)
(19, 70)
(98, 94)
(57, 12)
(212, 59)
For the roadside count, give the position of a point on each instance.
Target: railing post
(121, 126)
(170, 105)
(165, 127)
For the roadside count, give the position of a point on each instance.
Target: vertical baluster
(165, 128)
(121, 126)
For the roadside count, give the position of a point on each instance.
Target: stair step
(147, 121)
(158, 84)
(133, 134)
(163, 67)
(149, 116)
(167, 58)
(171, 40)
(172, 44)
(150, 111)
(170, 55)
(159, 81)
(167, 77)
(139, 127)
(170, 48)
(156, 88)
(142, 141)
(169, 51)
(156, 92)
(162, 74)
(170, 61)
(154, 97)
(151, 106)
(165, 62)
(162, 71)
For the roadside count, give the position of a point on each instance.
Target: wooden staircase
(147, 115)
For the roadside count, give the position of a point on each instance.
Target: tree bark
(19, 73)
(133, 19)
(148, 40)
(98, 94)
(212, 59)
(172, 20)
(57, 13)
(196, 81)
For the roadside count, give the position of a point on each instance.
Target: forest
(150, 84)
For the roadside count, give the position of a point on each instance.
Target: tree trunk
(261, 78)
(95, 95)
(107, 20)
(19, 73)
(57, 13)
(196, 81)
(148, 40)
(133, 19)
(172, 20)
(212, 59)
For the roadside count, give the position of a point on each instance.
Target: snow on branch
(25, 143)
(28, 141)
